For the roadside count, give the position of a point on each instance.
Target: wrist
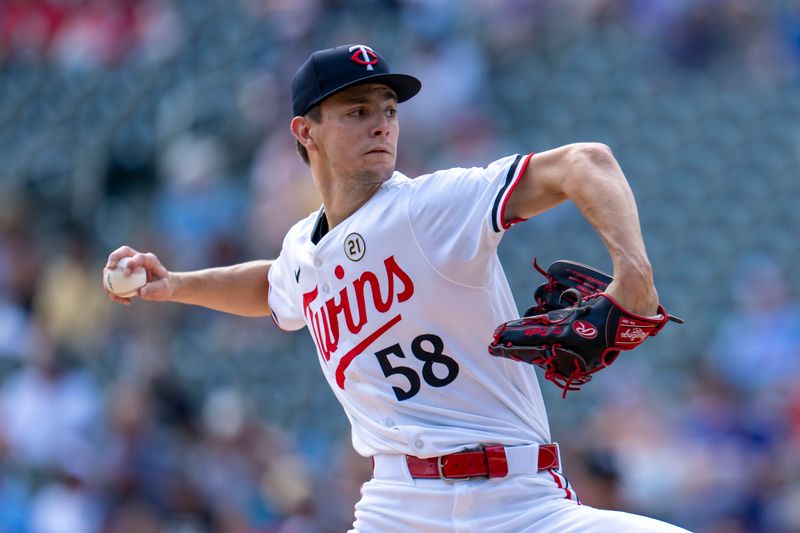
(634, 288)
(175, 284)
(638, 272)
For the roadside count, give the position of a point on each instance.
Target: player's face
(357, 137)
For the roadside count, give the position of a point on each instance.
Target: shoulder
(466, 178)
(302, 230)
(490, 171)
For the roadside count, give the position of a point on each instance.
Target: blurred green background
(163, 124)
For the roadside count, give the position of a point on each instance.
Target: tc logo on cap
(363, 55)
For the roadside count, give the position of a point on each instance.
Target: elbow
(592, 155)
(592, 163)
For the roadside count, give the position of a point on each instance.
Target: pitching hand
(159, 285)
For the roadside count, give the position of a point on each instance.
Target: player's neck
(342, 200)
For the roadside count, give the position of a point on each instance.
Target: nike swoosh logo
(297, 275)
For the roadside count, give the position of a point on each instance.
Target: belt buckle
(439, 468)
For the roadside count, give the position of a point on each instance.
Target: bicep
(541, 186)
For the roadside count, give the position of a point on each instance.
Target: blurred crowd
(161, 418)
(86, 34)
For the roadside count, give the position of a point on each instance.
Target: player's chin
(385, 174)
(377, 173)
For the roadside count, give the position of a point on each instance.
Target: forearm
(239, 289)
(598, 188)
(596, 185)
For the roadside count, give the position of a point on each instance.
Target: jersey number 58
(428, 348)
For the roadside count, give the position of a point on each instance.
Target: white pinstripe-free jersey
(401, 299)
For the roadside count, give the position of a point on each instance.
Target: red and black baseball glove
(575, 329)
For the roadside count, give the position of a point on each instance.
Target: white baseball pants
(542, 502)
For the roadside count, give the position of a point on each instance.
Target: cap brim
(404, 86)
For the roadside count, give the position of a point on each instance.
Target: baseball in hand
(121, 285)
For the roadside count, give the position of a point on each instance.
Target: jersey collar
(320, 227)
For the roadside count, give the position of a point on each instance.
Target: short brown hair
(314, 115)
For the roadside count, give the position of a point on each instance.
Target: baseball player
(400, 287)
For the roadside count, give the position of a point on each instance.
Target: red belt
(489, 462)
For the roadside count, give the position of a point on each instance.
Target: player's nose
(381, 126)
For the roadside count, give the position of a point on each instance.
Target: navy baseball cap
(329, 71)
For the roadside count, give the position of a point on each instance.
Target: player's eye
(391, 112)
(360, 112)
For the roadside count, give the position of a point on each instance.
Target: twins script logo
(325, 322)
(363, 55)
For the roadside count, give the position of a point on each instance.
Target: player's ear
(301, 129)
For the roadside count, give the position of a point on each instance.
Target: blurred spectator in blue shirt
(757, 345)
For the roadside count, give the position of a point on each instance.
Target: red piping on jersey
(561, 485)
(521, 171)
(347, 358)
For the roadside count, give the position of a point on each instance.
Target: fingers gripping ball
(121, 285)
(578, 339)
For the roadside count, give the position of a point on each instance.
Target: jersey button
(418, 444)
(326, 289)
(354, 378)
(389, 422)
(317, 263)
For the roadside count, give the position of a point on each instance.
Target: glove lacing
(551, 281)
